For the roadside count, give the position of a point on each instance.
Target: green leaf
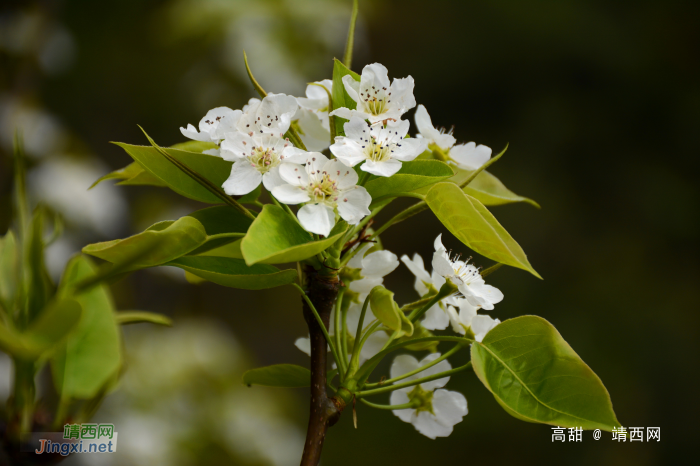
(194, 146)
(278, 375)
(92, 354)
(133, 174)
(8, 271)
(413, 175)
(275, 237)
(488, 189)
(385, 309)
(138, 317)
(340, 95)
(536, 376)
(223, 225)
(475, 226)
(235, 273)
(48, 330)
(215, 169)
(153, 246)
(41, 288)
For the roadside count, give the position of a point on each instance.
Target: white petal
(403, 364)
(345, 176)
(428, 425)
(243, 179)
(481, 325)
(400, 397)
(417, 267)
(351, 87)
(317, 218)
(294, 174)
(356, 129)
(437, 244)
(272, 179)
(292, 195)
(402, 94)
(353, 205)
(491, 294)
(423, 122)
(435, 318)
(365, 285)
(442, 366)
(379, 264)
(304, 344)
(236, 145)
(386, 168)
(469, 156)
(455, 321)
(191, 133)
(449, 407)
(314, 136)
(293, 154)
(356, 261)
(410, 149)
(344, 112)
(441, 265)
(348, 151)
(374, 74)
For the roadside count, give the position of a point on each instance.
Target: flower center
(423, 399)
(378, 151)
(263, 159)
(323, 189)
(375, 99)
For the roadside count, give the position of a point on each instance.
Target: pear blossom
(372, 269)
(316, 101)
(437, 317)
(311, 131)
(469, 156)
(437, 410)
(381, 148)
(273, 114)
(427, 131)
(466, 277)
(257, 157)
(213, 127)
(377, 99)
(463, 316)
(322, 185)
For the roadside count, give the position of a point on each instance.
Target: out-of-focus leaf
(138, 317)
(536, 376)
(152, 247)
(48, 330)
(385, 309)
(278, 375)
(475, 226)
(340, 95)
(8, 271)
(412, 176)
(230, 250)
(223, 225)
(40, 287)
(276, 238)
(234, 273)
(92, 354)
(133, 174)
(215, 169)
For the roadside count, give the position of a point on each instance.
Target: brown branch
(324, 411)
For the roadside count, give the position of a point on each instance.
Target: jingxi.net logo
(78, 438)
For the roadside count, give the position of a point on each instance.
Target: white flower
(481, 325)
(466, 277)
(382, 149)
(427, 131)
(438, 410)
(322, 185)
(316, 100)
(466, 318)
(213, 127)
(311, 131)
(373, 268)
(436, 318)
(257, 157)
(272, 115)
(377, 100)
(469, 156)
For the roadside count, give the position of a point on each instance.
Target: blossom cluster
(376, 141)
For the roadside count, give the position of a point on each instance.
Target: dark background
(600, 103)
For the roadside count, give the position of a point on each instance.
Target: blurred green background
(599, 101)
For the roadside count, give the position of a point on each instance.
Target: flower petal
(386, 168)
(403, 364)
(379, 264)
(317, 218)
(292, 195)
(294, 174)
(470, 156)
(353, 205)
(400, 397)
(243, 179)
(435, 318)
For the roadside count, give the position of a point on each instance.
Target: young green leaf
(475, 226)
(278, 375)
(92, 353)
(154, 246)
(138, 317)
(412, 176)
(536, 376)
(340, 95)
(40, 287)
(277, 238)
(386, 310)
(488, 189)
(8, 271)
(234, 273)
(214, 169)
(223, 225)
(194, 146)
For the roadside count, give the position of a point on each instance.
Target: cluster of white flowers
(375, 137)
(376, 142)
